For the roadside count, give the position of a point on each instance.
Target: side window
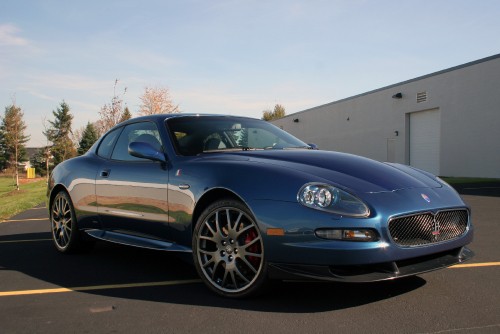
(146, 132)
(107, 143)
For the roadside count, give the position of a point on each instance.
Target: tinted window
(198, 134)
(145, 132)
(107, 143)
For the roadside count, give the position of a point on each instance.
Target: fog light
(329, 234)
(348, 235)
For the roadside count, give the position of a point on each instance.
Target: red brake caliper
(253, 249)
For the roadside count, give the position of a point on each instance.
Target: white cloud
(9, 36)
(251, 104)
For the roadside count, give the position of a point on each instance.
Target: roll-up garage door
(425, 132)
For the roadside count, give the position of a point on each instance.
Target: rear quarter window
(107, 143)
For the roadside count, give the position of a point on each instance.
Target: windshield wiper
(297, 148)
(232, 149)
(247, 148)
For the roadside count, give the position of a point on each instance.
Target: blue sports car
(251, 203)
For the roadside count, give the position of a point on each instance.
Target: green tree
(41, 160)
(3, 151)
(243, 139)
(89, 137)
(13, 138)
(278, 112)
(59, 133)
(126, 115)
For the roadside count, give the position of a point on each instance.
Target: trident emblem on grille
(435, 228)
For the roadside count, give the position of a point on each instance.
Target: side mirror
(313, 147)
(145, 151)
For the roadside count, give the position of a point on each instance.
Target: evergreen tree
(3, 151)
(89, 137)
(126, 115)
(59, 133)
(243, 139)
(13, 138)
(39, 160)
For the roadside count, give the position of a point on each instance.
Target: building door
(425, 133)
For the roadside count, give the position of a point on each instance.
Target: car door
(131, 192)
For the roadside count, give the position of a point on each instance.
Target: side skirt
(132, 240)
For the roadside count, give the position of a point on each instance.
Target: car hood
(346, 170)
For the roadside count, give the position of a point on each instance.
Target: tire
(228, 250)
(64, 227)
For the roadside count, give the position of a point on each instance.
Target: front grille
(428, 228)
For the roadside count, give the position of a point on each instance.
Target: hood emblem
(426, 198)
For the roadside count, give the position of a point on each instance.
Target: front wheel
(64, 228)
(228, 250)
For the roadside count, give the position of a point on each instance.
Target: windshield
(193, 135)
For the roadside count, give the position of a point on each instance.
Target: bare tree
(46, 155)
(157, 100)
(278, 112)
(111, 114)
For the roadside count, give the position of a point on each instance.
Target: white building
(447, 122)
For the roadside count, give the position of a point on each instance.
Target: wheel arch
(57, 188)
(208, 198)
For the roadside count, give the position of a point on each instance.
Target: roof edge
(454, 68)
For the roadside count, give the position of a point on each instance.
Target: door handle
(105, 173)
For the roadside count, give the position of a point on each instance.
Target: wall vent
(421, 97)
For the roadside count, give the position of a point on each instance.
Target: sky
(233, 57)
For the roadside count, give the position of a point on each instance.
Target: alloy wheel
(62, 221)
(229, 250)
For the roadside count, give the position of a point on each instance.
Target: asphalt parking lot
(120, 289)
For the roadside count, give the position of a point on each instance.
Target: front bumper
(372, 272)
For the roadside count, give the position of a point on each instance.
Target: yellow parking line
(473, 265)
(23, 220)
(27, 240)
(96, 287)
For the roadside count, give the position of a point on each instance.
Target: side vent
(421, 97)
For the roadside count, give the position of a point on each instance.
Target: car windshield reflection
(193, 135)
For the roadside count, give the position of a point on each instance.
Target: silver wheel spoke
(233, 279)
(243, 230)
(228, 217)
(257, 239)
(240, 274)
(253, 254)
(210, 228)
(203, 237)
(236, 223)
(209, 262)
(224, 278)
(206, 252)
(248, 264)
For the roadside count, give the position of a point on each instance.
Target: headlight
(328, 198)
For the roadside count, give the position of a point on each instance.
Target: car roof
(176, 115)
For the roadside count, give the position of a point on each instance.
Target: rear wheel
(64, 227)
(228, 250)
